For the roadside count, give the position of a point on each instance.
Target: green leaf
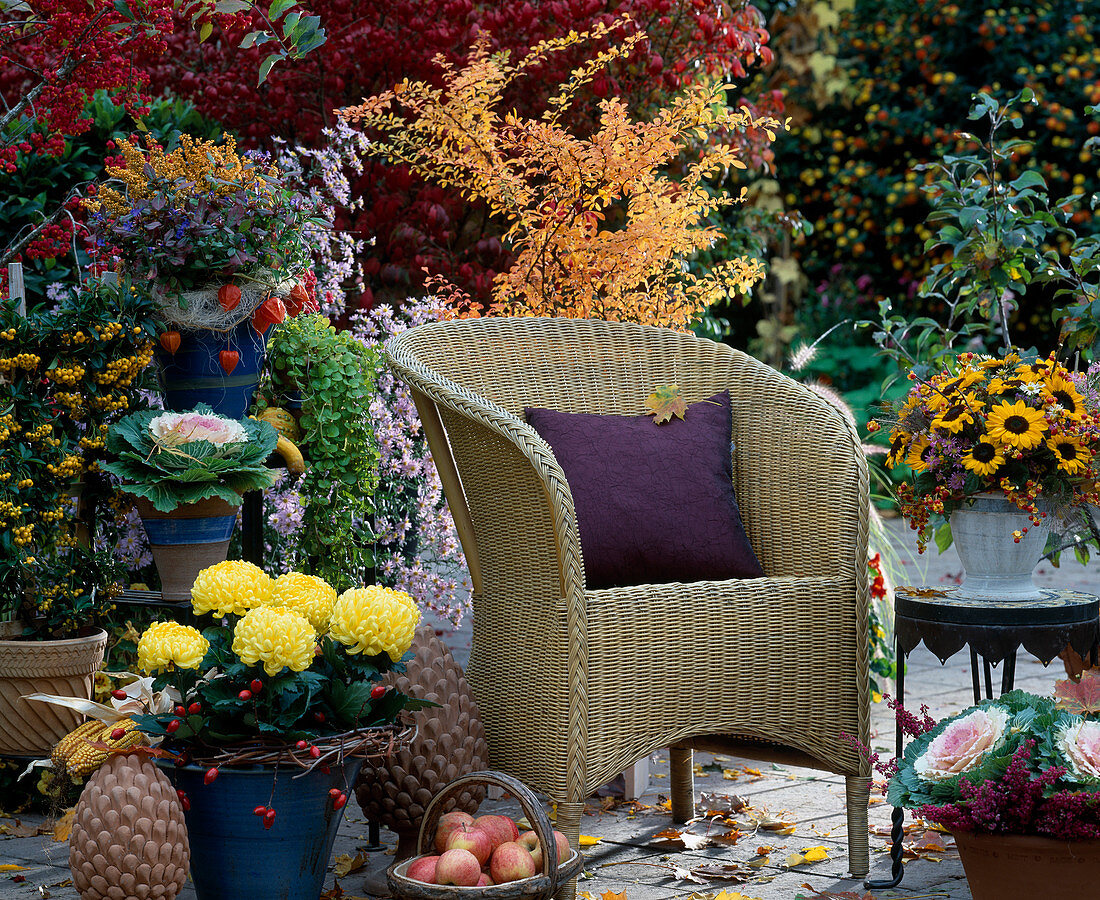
(943, 537)
(278, 7)
(265, 66)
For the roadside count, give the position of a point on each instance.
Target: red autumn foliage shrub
(372, 47)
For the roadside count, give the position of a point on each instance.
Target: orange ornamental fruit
(229, 360)
(229, 295)
(170, 341)
(297, 300)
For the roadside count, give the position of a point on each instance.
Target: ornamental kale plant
(175, 458)
(1022, 764)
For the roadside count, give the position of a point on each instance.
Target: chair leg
(681, 783)
(857, 790)
(569, 824)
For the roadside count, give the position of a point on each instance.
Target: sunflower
(954, 418)
(1063, 391)
(1073, 458)
(968, 377)
(984, 458)
(998, 386)
(917, 460)
(898, 441)
(1016, 425)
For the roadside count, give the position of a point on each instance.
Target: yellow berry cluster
(111, 402)
(9, 510)
(41, 432)
(8, 425)
(70, 399)
(54, 515)
(8, 334)
(25, 483)
(78, 337)
(92, 443)
(69, 373)
(109, 331)
(28, 361)
(71, 465)
(22, 535)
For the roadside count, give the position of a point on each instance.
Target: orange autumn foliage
(600, 226)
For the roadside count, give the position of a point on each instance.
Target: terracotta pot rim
(208, 506)
(1017, 838)
(89, 635)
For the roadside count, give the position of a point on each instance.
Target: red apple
(459, 867)
(511, 861)
(501, 828)
(478, 842)
(530, 842)
(422, 869)
(448, 822)
(563, 846)
(484, 881)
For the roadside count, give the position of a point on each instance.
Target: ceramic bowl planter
(64, 667)
(997, 568)
(1023, 865)
(187, 540)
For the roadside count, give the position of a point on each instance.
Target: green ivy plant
(335, 375)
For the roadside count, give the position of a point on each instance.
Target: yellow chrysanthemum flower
(1016, 425)
(1073, 457)
(375, 620)
(984, 458)
(275, 636)
(307, 595)
(164, 645)
(234, 586)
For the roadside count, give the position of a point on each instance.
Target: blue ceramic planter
(187, 540)
(233, 857)
(193, 374)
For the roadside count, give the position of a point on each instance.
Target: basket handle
(530, 804)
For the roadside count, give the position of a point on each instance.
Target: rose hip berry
(315, 752)
(195, 708)
(117, 733)
(118, 694)
(269, 818)
(256, 685)
(377, 691)
(245, 695)
(335, 792)
(259, 810)
(210, 775)
(173, 726)
(180, 711)
(301, 745)
(340, 801)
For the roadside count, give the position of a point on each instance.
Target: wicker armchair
(574, 685)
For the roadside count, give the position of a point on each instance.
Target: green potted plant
(219, 241)
(1017, 782)
(277, 705)
(189, 472)
(69, 368)
(335, 374)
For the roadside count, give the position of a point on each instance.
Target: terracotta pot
(450, 741)
(1023, 865)
(187, 540)
(63, 667)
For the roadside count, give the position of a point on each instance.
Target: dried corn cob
(79, 758)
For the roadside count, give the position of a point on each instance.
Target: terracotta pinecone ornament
(450, 741)
(129, 841)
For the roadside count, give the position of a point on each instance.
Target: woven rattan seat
(574, 685)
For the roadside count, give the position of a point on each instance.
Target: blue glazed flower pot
(187, 540)
(233, 857)
(194, 374)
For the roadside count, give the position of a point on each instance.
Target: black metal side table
(947, 620)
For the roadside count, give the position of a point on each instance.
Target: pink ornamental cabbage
(1079, 742)
(962, 745)
(172, 429)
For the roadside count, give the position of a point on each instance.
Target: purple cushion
(654, 503)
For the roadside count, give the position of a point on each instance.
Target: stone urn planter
(449, 742)
(1024, 865)
(997, 567)
(65, 667)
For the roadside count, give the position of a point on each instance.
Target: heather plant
(1021, 764)
(596, 225)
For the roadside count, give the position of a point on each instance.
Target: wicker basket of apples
(486, 857)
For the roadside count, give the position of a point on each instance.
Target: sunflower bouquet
(285, 666)
(1027, 429)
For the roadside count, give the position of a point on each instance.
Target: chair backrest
(494, 367)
